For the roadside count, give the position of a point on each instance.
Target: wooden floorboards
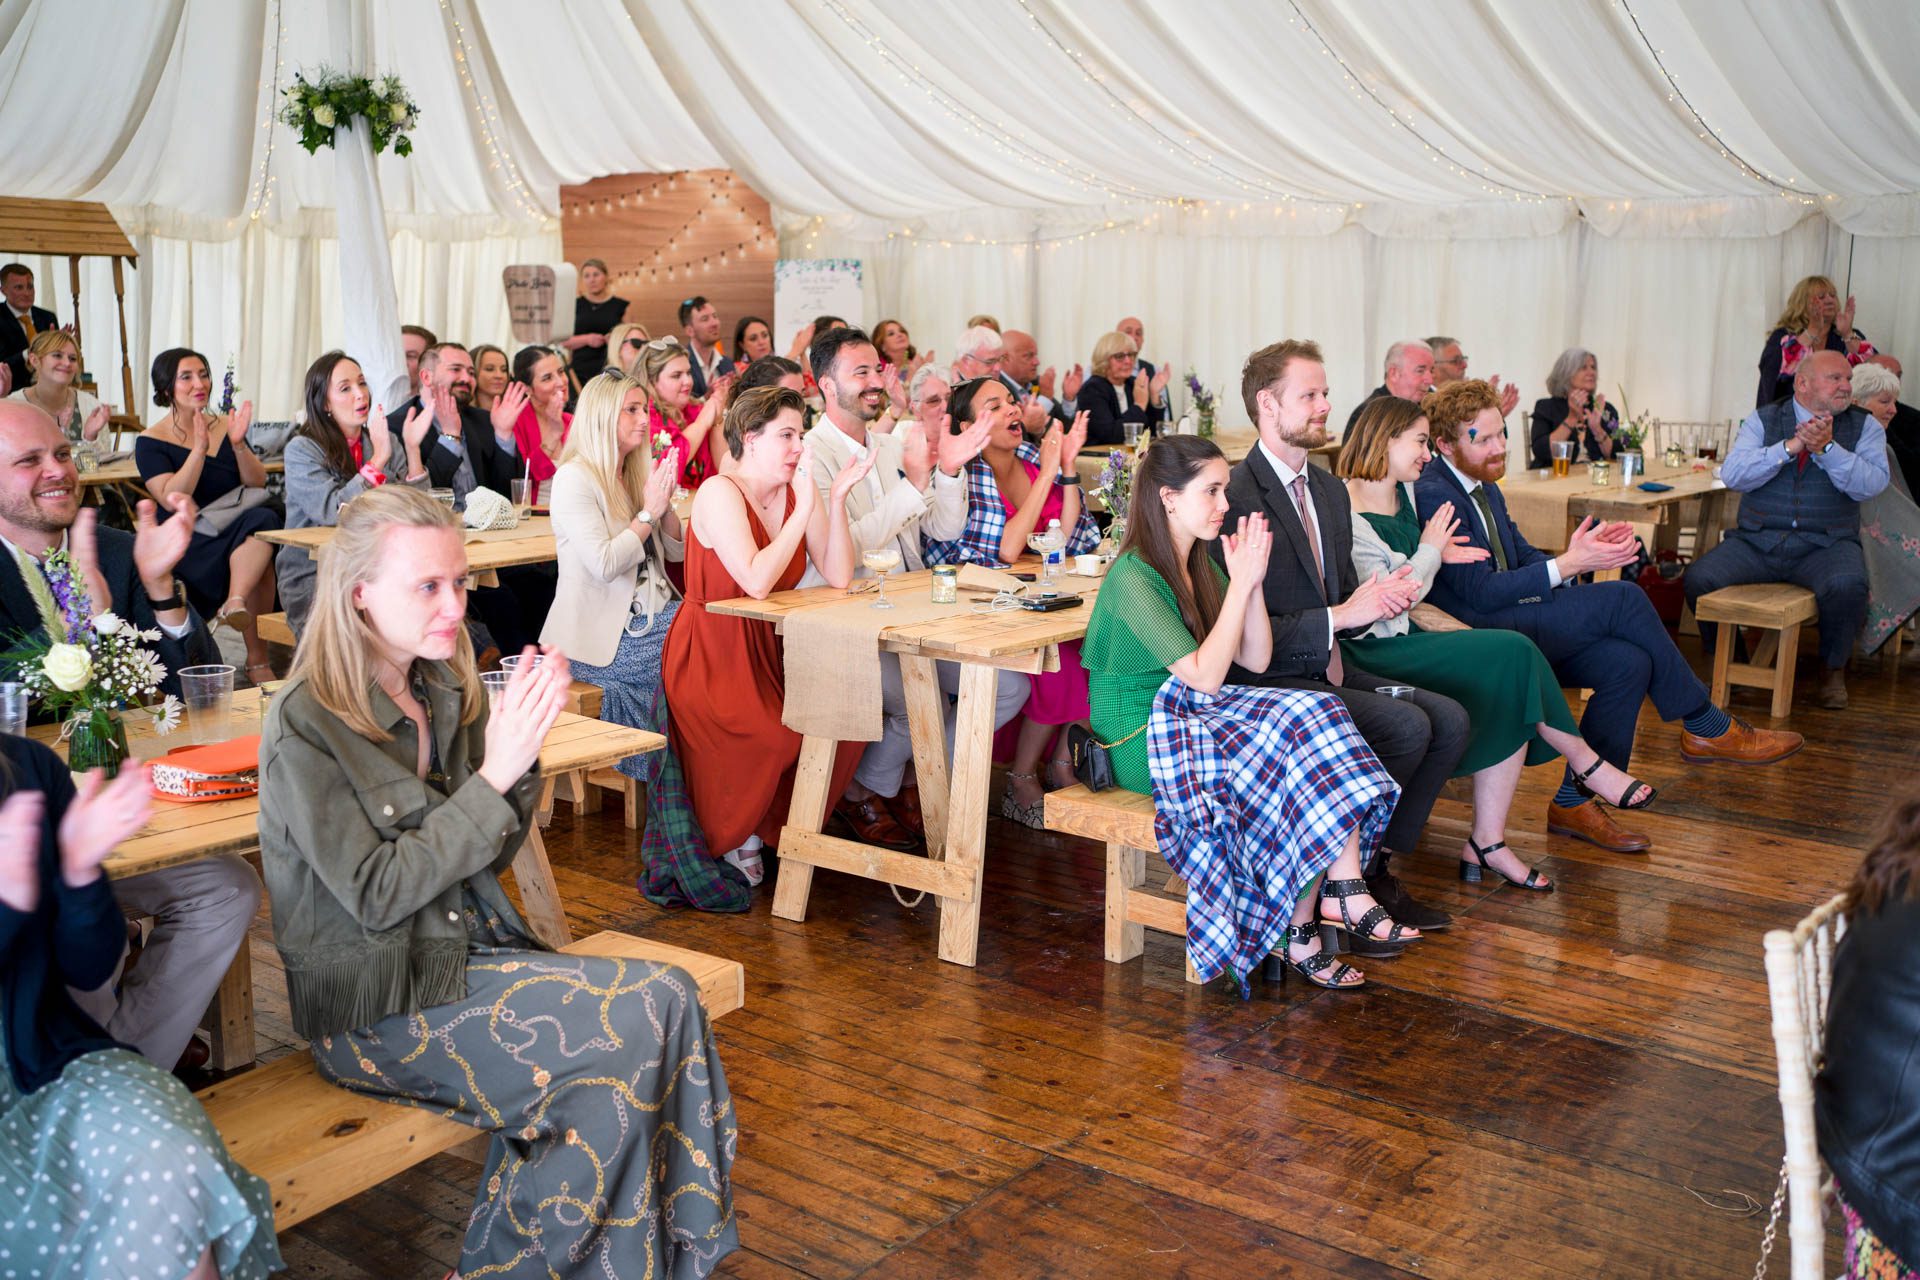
(1561, 1085)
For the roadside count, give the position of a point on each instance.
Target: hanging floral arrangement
(330, 100)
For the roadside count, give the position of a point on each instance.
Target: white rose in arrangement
(107, 624)
(324, 115)
(68, 666)
(399, 112)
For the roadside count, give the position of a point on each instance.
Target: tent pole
(126, 368)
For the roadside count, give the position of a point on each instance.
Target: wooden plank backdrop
(667, 236)
(1547, 1089)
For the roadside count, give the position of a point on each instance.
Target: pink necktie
(1336, 670)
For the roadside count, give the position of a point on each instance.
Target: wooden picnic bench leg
(812, 777)
(229, 1020)
(1126, 873)
(967, 809)
(927, 720)
(539, 895)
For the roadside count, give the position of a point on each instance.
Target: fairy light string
(492, 125)
(260, 190)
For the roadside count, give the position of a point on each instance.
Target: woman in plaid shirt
(1013, 490)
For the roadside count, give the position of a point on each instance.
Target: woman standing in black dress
(227, 571)
(595, 312)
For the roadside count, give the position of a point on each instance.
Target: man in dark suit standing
(202, 908)
(1599, 635)
(1313, 596)
(21, 324)
(700, 323)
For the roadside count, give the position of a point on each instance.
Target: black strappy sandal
(1580, 783)
(1316, 964)
(1340, 891)
(1472, 872)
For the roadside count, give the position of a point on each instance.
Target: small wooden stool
(1778, 608)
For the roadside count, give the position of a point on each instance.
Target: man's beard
(852, 405)
(462, 393)
(27, 514)
(1486, 471)
(1308, 435)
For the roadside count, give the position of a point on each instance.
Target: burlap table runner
(833, 660)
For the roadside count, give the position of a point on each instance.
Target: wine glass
(882, 561)
(1047, 545)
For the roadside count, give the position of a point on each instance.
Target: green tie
(1493, 530)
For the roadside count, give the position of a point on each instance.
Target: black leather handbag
(1092, 758)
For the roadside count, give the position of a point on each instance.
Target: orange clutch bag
(220, 771)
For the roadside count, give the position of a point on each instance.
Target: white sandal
(748, 860)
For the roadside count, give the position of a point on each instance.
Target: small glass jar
(946, 584)
(1600, 472)
(1676, 455)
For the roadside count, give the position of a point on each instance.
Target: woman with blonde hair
(688, 425)
(614, 529)
(54, 359)
(624, 346)
(491, 374)
(1813, 320)
(392, 795)
(1114, 394)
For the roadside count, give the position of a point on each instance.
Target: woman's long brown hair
(1172, 463)
(1887, 873)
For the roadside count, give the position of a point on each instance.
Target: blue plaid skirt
(1255, 792)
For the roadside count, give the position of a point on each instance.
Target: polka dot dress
(113, 1172)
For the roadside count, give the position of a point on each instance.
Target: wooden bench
(1780, 609)
(1123, 821)
(317, 1144)
(273, 629)
(581, 788)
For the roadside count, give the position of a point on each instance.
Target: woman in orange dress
(725, 679)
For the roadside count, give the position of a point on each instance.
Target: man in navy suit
(700, 323)
(1599, 635)
(21, 323)
(1313, 596)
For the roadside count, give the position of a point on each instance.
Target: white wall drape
(1676, 317)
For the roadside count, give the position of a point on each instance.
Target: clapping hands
(956, 451)
(535, 696)
(20, 848)
(507, 408)
(239, 421)
(98, 818)
(1246, 552)
(1441, 534)
(857, 472)
(1595, 547)
(1377, 598)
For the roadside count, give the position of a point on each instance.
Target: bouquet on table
(1114, 488)
(88, 668)
(1203, 406)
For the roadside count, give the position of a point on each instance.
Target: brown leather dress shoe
(872, 824)
(1592, 823)
(905, 808)
(1833, 689)
(1741, 744)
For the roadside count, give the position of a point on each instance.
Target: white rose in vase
(323, 115)
(399, 112)
(68, 666)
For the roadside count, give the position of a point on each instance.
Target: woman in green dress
(1520, 717)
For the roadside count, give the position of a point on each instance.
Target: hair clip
(1473, 433)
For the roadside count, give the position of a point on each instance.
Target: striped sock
(1568, 795)
(1708, 722)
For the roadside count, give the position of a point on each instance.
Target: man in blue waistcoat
(1802, 467)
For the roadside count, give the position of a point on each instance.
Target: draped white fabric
(1644, 177)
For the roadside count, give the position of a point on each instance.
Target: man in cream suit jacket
(917, 487)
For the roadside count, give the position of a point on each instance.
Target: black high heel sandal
(1472, 872)
(1313, 966)
(1340, 891)
(1580, 784)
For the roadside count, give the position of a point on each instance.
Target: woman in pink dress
(1015, 489)
(690, 425)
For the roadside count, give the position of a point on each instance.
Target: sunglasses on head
(662, 344)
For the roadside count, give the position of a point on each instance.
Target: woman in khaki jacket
(615, 529)
(391, 797)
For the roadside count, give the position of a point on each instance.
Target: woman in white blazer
(614, 530)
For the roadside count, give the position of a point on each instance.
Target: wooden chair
(1799, 977)
(1778, 608)
(273, 629)
(317, 1144)
(1123, 821)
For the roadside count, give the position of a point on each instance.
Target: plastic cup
(13, 707)
(495, 684)
(1086, 564)
(522, 495)
(208, 693)
(512, 661)
(1395, 690)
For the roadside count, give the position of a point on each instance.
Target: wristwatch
(1828, 447)
(178, 600)
(645, 516)
(1072, 478)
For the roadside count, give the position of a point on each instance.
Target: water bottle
(1056, 549)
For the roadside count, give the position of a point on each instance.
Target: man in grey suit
(917, 486)
(201, 910)
(1313, 596)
